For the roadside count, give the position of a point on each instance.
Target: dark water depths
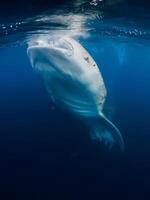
(47, 154)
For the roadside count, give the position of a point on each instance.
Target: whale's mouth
(61, 44)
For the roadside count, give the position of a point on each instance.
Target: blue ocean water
(46, 153)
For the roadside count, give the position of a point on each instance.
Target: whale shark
(75, 83)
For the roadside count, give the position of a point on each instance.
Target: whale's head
(63, 54)
(45, 54)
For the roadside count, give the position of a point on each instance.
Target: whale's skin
(75, 83)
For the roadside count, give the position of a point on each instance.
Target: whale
(75, 83)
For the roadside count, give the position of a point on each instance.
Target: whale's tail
(105, 131)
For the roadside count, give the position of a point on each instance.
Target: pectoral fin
(105, 131)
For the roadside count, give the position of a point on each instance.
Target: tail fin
(103, 129)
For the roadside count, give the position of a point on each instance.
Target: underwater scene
(74, 100)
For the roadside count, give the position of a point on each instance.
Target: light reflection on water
(97, 23)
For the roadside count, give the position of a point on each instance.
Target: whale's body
(74, 81)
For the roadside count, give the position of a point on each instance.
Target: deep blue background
(46, 154)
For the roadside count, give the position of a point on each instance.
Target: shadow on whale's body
(75, 83)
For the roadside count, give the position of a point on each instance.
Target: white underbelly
(72, 95)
